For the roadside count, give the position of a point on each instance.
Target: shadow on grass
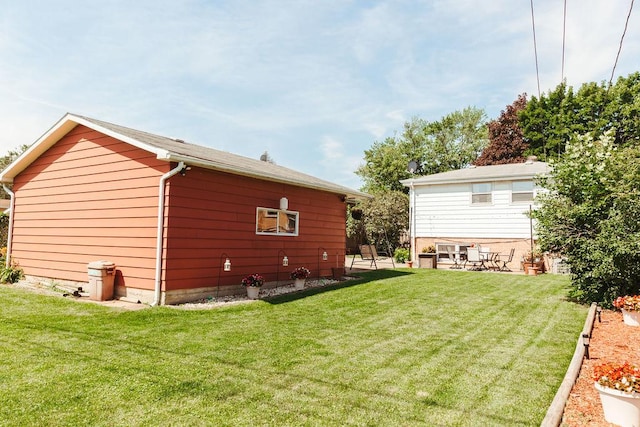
(361, 277)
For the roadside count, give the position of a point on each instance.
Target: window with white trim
(481, 193)
(276, 222)
(521, 191)
(452, 251)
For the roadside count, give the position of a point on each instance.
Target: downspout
(412, 220)
(159, 247)
(10, 230)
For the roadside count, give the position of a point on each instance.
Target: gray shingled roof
(506, 172)
(170, 149)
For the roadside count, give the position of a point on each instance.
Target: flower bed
(208, 303)
(611, 341)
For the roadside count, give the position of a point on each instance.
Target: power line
(535, 48)
(535, 51)
(564, 32)
(626, 24)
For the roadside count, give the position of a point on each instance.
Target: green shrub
(4, 226)
(10, 274)
(401, 255)
(590, 216)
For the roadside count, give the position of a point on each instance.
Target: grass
(403, 347)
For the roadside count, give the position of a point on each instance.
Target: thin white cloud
(314, 80)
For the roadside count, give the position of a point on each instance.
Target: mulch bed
(611, 341)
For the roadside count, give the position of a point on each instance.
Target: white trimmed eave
(70, 121)
(419, 182)
(59, 130)
(352, 196)
(160, 153)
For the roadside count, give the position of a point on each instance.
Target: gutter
(10, 231)
(412, 221)
(232, 169)
(159, 247)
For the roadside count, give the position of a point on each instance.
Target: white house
(484, 206)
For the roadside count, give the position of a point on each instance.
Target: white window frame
(457, 248)
(277, 215)
(522, 192)
(479, 192)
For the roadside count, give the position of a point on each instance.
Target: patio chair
(485, 253)
(473, 256)
(370, 253)
(452, 256)
(507, 261)
(366, 253)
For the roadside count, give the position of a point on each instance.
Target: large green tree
(385, 165)
(549, 122)
(382, 220)
(622, 112)
(455, 141)
(450, 143)
(590, 215)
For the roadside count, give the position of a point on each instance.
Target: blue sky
(314, 83)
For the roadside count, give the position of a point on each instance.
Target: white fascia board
(192, 161)
(55, 133)
(42, 144)
(160, 153)
(418, 183)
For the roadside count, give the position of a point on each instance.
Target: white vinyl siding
(444, 210)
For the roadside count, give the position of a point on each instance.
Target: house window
(521, 191)
(481, 193)
(451, 252)
(276, 222)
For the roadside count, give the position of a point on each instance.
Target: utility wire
(564, 32)
(535, 48)
(626, 24)
(535, 51)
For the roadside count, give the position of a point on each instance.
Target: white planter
(253, 292)
(620, 408)
(299, 284)
(631, 318)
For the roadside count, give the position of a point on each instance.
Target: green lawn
(397, 348)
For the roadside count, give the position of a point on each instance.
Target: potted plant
(356, 213)
(619, 389)
(429, 249)
(533, 262)
(428, 257)
(630, 307)
(253, 282)
(299, 275)
(338, 271)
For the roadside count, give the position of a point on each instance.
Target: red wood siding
(92, 197)
(211, 213)
(89, 197)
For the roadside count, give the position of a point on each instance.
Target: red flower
(629, 303)
(300, 273)
(254, 280)
(625, 377)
